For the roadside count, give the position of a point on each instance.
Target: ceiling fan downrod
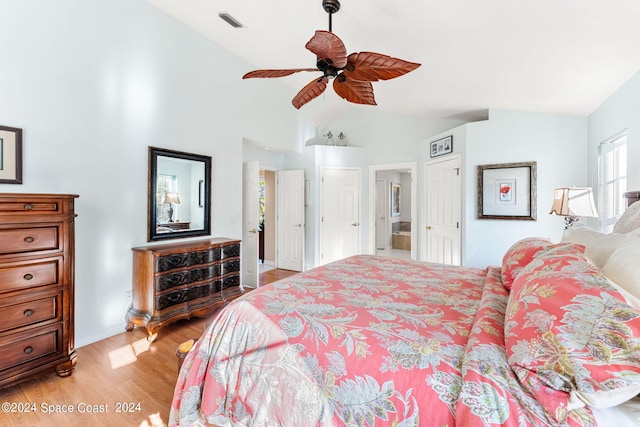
(331, 7)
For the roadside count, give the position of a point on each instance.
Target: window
(166, 184)
(612, 180)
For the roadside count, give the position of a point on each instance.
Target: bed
(545, 339)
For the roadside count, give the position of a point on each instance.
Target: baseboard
(98, 336)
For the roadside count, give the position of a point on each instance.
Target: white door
(291, 223)
(443, 234)
(250, 214)
(381, 214)
(340, 214)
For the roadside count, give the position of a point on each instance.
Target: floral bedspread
(365, 341)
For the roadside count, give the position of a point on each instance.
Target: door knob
(298, 225)
(428, 227)
(355, 224)
(253, 231)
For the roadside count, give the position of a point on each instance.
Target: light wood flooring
(125, 376)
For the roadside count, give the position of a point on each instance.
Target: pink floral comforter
(365, 341)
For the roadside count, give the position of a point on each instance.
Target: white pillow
(598, 246)
(623, 268)
(630, 219)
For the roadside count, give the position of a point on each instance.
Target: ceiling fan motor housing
(331, 6)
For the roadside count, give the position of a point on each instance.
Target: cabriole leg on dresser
(152, 333)
(66, 369)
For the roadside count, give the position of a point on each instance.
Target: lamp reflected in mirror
(574, 203)
(171, 199)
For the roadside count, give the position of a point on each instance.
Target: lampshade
(171, 198)
(574, 201)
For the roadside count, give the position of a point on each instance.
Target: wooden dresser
(36, 286)
(181, 280)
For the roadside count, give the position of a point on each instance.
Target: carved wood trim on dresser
(36, 286)
(181, 280)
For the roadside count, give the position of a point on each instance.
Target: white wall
(557, 143)
(94, 83)
(618, 113)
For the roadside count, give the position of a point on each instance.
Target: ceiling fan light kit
(352, 75)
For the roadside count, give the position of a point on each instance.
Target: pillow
(572, 340)
(518, 256)
(560, 257)
(623, 268)
(598, 245)
(629, 221)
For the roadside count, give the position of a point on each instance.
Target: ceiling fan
(352, 75)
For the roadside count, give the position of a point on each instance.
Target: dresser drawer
(28, 206)
(30, 274)
(28, 348)
(189, 294)
(29, 239)
(30, 312)
(188, 259)
(185, 277)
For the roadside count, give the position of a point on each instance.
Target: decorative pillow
(568, 257)
(599, 246)
(518, 256)
(623, 267)
(629, 221)
(572, 340)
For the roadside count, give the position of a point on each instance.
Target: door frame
(412, 167)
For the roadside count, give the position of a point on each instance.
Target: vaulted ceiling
(556, 56)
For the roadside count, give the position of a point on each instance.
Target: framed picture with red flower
(507, 191)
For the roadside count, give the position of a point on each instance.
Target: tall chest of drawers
(36, 286)
(181, 280)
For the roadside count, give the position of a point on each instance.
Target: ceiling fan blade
(371, 67)
(309, 92)
(356, 91)
(275, 73)
(328, 46)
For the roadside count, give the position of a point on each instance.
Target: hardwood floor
(124, 379)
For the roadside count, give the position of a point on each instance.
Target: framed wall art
(10, 155)
(507, 191)
(395, 199)
(441, 146)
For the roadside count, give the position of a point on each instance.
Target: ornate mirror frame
(193, 177)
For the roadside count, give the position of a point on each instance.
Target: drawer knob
(28, 312)
(28, 206)
(28, 276)
(28, 350)
(29, 239)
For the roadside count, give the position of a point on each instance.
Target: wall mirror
(179, 189)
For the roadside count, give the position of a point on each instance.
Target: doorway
(267, 220)
(393, 210)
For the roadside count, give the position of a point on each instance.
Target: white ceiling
(556, 56)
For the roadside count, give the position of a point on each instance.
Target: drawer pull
(28, 276)
(28, 206)
(29, 239)
(28, 350)
(28, 312)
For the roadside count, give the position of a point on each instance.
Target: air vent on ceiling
(230, 20)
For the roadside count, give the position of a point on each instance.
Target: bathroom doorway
(392, 210)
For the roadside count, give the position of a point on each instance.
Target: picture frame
(10, 155)
(396, 195)
(441, 146)
(507, 191)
